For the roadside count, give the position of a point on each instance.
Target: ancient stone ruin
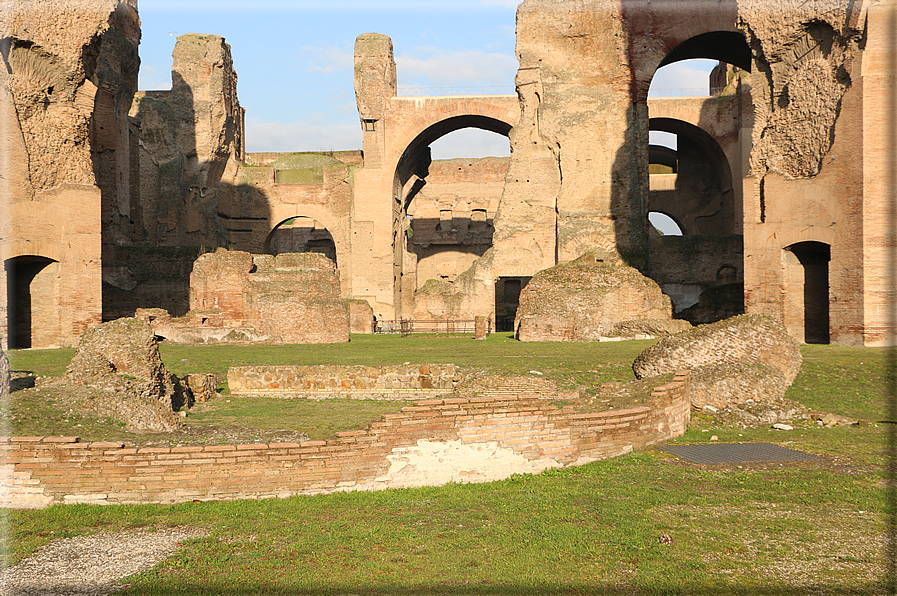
(776, 183)
(120, 362)
(590, 300)
(236, 297)
(749, 358)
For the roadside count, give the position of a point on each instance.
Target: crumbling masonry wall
(68, 73)
(291, 297)
(431, 443)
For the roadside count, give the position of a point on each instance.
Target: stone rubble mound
(120, 360)
(741, 360)
(745, 339)
(585, 299)
(4, 376)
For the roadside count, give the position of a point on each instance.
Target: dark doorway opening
(29, 288)
(507, 299)
(815, 257)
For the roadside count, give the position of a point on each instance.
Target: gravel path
(91, 565)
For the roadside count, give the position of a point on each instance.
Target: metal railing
(438, 326)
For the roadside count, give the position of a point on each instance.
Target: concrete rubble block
(4, 376)
(746, 339)
(586, 299)
(120, 360)
(203, 386)
(721, 385)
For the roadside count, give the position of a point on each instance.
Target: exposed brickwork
(361, 316)
(358, 382)
(789, 153)
(236, 297)
(402, 449)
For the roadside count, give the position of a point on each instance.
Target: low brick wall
(431, 443)
(355, 382)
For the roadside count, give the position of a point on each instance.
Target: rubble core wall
(585, 299)
(67, 75)
(359, 382)
(431, 443)
(293, 297)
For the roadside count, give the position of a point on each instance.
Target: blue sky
(294, 61)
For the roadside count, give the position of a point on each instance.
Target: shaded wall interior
(32, 302)
(301, 234)
(807, 291)
(507, 300)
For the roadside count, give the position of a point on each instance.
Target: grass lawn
(807, 528)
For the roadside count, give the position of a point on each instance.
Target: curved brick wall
(433, 442)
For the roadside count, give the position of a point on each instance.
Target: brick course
(432, 442)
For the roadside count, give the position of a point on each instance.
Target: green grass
(321, 420)
(587, 530)
(807, 528)
(43, 412)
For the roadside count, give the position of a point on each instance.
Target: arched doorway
(444, 207)
(32, 309)
(301, 234)
(807, 291)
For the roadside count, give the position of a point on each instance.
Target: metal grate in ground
(736, 453)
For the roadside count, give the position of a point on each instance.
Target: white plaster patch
(432, 463)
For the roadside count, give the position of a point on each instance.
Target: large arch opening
(807, 291)
(692, 144)
(691, 181)
(444, 207)
(32, 309)
(301, 234)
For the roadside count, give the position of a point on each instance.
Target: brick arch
(813, 233)
(662, 33)
(437, 117)
(39, 231)
(282, 212)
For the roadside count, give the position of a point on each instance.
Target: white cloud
(439, 68)
(470, 142)
(330, 59)
(151, 78)
(688, 78)
(314, 133)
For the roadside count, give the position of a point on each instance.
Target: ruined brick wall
(191, 139)
(471, 294)
(361, 317)
(68, 73)
(434, 442)
(397, 134)
(292, 297)
(807, 182)
(355, 382)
